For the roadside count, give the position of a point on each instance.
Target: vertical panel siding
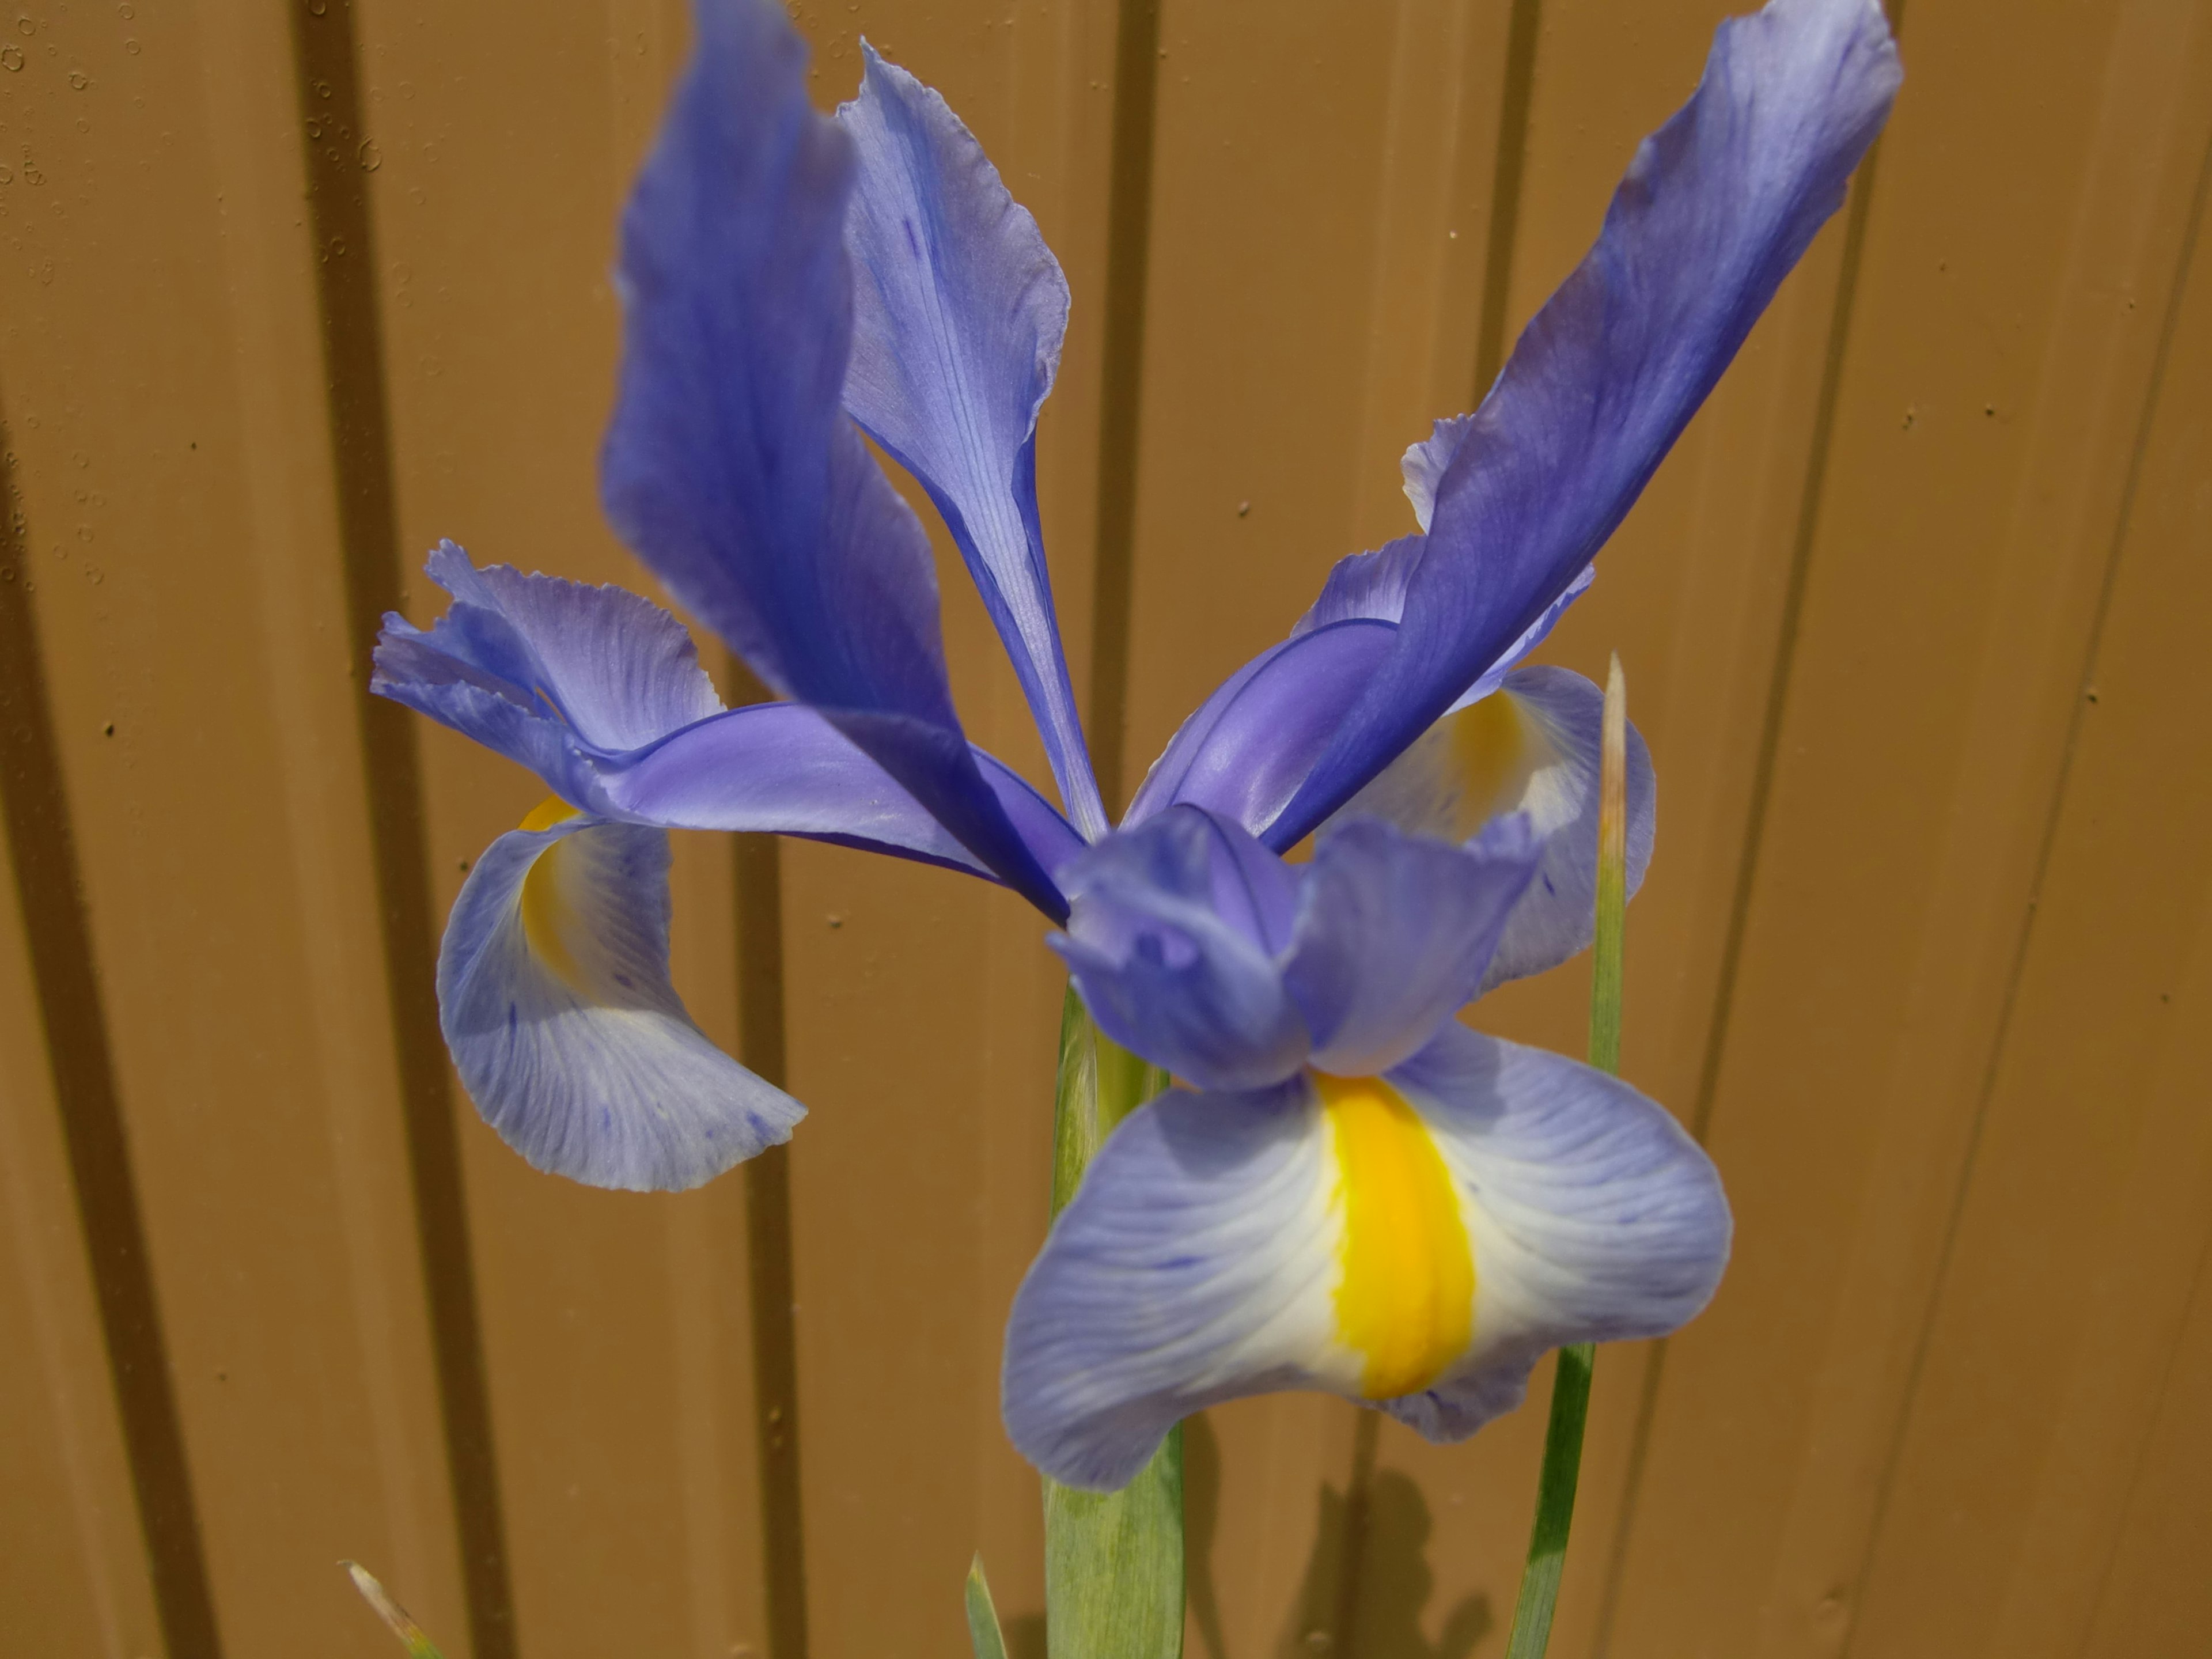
(2086, 1209)
(615, 1326)
(161, 366)
(1992, 383)
(73, 1569)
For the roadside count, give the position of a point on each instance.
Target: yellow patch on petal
(548, 917)
(1464, 771)
(547, 813)
(1405, 1302)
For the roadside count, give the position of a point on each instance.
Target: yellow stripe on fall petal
(1405, 1302)
(547, 915)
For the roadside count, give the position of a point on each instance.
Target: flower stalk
(1570, 1382)
(1113, 1561)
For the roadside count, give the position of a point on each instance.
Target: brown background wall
(1913, 620)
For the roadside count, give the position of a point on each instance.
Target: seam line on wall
(1518, 92)
(771, 1285)
(1128, 249)
(328, 92)
(49, 889)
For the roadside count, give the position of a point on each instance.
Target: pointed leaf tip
(394, 1616)
(982, 1617)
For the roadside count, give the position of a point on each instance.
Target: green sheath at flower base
(1113, 1562)
(419, 1646)
(1571, 1383)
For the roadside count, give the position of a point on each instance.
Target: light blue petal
(1171, 942)
(959, 309)
(1594, 1217)
(1394, 934)
(1201, 1258)
(1533, 748)
(554, 995)
(730, 465)
(1194, 1265)
(1716, 207)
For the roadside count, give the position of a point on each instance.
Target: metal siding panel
(2087, 1203)
(616, 1326)
(1993, 375)
(162, 367)
(73, 1568)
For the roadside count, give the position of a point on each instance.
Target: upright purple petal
(959, 309)
(730, 465)
(1715, 209)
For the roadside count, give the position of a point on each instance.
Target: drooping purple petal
(554, 999)
(1171, 942)
(1395, 932)
(1715, 209)
(730, 465)
(959, 309)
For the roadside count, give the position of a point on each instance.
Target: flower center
(1405, 1302)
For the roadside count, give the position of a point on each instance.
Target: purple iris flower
(1353, 1191)
(790, 281)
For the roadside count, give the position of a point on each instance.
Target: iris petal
(1171, 942)
(730, 465)
(1715, 209)
(1435, 1229)
(1245, 751)
(554, 994)
(1393, 935)
(784, 768)
(1594, 1217)
(540, 669)
(1532, 748)
(959, 309)
(1194, 1265)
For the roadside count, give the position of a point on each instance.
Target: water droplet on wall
(11, 58)
(371, 158)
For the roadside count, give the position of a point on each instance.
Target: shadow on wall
(1367, 1582)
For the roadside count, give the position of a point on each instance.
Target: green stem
(1113, 1561)
(1570, 1382)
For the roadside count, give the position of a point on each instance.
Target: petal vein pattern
(554, 999)
(959, 312)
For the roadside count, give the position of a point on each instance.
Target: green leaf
(1570, 1382)
(1113, 1561)
(419, 1646)
(983, 1617)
